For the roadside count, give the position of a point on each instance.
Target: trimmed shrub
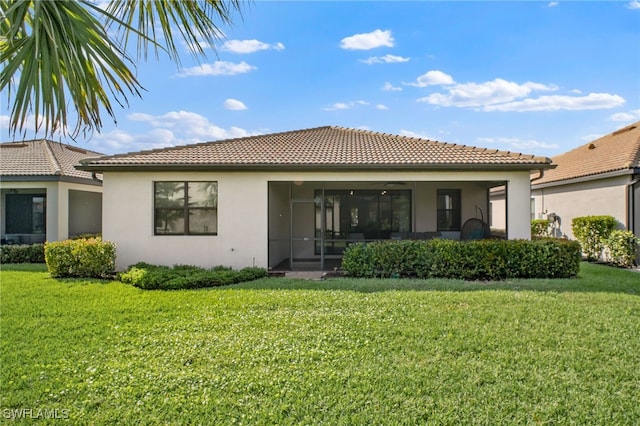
(622, 248)
(22, 253)
(181, 277)
(468, 260)
(592, 233)
(540, 228)
(85, 258)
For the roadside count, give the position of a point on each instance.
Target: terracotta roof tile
(318, 147)
(616, 151)
(42, 158)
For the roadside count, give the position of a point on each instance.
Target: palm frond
(59, 60)
(57, 54)
(197, 22)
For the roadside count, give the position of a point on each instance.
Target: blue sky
(533, 77)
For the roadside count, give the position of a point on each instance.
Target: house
(601, 177)
(42, 196)
(298, 198)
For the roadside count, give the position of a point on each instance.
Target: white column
(519, 207)
(52, 212)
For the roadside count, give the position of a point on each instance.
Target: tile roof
(320, 147)
(42, 158)
(616, 151)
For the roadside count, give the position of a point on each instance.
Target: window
(449, 210)
(26, 214)
(186, 208)
(369, 214)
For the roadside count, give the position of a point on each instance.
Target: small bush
(592, 233)
(540, 228)
(23, 253)
(181, 277)
(469, 260)
(622, 248)
(86, 258)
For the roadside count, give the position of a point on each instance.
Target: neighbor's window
(449, 210)
(186, 208)
(26, 214)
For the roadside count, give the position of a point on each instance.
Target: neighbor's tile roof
(42, 158)
(320, 147)
(616, 151)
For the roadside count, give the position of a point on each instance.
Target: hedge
(180, 277)
(592, 232)
(540, 228)
(622, 248)
(87, 258)
(22, 253)
(468, 260)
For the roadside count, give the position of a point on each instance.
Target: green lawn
(341, 351)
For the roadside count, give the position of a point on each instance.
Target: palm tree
(72, 56)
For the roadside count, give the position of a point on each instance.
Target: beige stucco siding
(57, 193)
(598, 197)
(243, 211)
(242, 222)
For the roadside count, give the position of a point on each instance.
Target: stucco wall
(242, 222)
(600, 197)
(243, 211)
(57, 203)
(85, 212)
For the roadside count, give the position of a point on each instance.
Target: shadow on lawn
(592, 279)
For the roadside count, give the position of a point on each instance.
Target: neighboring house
(299, 198)
(42, 196)
(601, 177)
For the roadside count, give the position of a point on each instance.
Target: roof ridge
(323, 145)
(634, 158)
(57, 169)
(215, 141)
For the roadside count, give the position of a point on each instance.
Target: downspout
(631, 205)
(540, 176)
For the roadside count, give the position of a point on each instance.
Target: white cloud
(217, 68)
(345, 105)
(517, 144)
(503, 95)
(234, 105)
(367, 41)
(412, 134)
(382, 107)
(169, 129)
(249, 46)
(386, 59)
(432, 78)
(474, 94)
(633, 4)
(388, 87)
(32, 131)
(493, 92)
(591, 137)
(337, 106)
(558, 102)
(552, 4)
(626, 116)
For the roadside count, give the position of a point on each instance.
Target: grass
(341, 351)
